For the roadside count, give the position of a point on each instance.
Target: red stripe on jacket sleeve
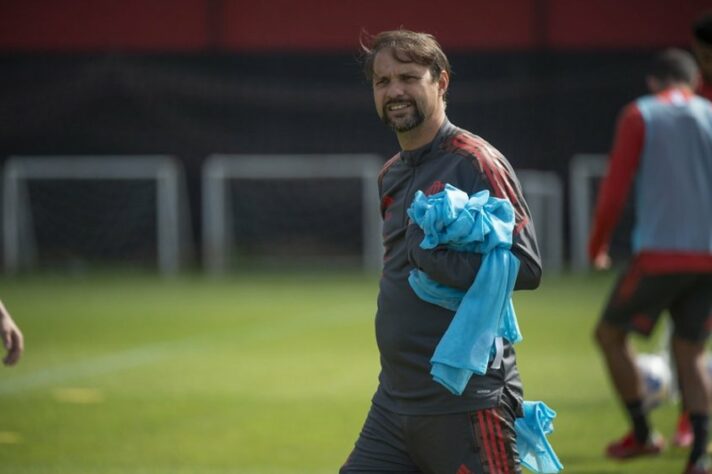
(500, 440)
(484, 435)
(493, 164)
(622, 167)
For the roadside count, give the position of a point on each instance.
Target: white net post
(18, 240)
(217, 222)
(168, 225)
(171, 211)
(583, 169)
(219, 168)
(544, 194)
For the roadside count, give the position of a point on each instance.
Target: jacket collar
(417, 156)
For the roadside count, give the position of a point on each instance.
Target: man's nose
(395, 90)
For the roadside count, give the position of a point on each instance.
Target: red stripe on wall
(326, 25)
(621, 24)
(268, 25)
(104, 25)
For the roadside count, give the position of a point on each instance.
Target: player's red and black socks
(641, 428)
(700, 428)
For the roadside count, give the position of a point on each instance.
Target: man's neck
(420, 135)
(664, 87)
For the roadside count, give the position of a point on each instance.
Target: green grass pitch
(258, 374)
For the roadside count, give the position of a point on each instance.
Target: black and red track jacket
(408, 328)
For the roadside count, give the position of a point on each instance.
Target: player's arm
(11, 337)
(459, 269)
(445, 266)
(529, 276)
(622, 167)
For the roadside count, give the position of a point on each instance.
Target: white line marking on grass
(10, 437)
(78, 469)
(96, 365)
(78, 395)
(151, 353)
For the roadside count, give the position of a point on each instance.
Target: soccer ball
(657, 379)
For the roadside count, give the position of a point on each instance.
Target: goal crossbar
(544, 194)
(583, 168)
(18, 241)
(220, 168)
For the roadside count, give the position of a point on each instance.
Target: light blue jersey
(674, 183)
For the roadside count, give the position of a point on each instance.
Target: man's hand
(11, 337)
(602, 261)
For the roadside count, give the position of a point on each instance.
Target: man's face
(405, 94)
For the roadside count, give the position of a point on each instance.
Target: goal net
(544, 194)
(77, 211)
(313, 210)
(586, 170)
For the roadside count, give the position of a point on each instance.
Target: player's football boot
(683, 433)
(702, 466)
(629, 447)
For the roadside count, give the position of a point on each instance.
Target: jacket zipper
(406, 205)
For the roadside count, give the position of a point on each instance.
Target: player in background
(664, 143)
(416, 425)
(11, 337)
(702, 47)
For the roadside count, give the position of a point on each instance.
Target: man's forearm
(459, 269)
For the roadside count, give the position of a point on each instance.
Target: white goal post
(544, 194)
(583, 168)
(171, 202)
(220, 168)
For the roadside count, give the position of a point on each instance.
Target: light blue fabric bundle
(484, 312)
(535, 452)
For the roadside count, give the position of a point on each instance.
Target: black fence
(537, 108)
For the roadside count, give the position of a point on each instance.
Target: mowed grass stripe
(155, 470)
(238, 396)
(260, 374)
(138, 356)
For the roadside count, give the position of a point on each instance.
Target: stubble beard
(404, 124)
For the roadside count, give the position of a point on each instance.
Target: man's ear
(654, 84)
(696, 81)
(443, 82)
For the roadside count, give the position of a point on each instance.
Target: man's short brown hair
(674, 65)
(407, 47)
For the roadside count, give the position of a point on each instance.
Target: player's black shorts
(479, 442)
(638, 299)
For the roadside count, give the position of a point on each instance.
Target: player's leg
(692, 313)
(683, 429)
(380, 447)
(619, 356)
(695, 384)
(682, 438)
(479, 442)
(635, 305)
(620, 361)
